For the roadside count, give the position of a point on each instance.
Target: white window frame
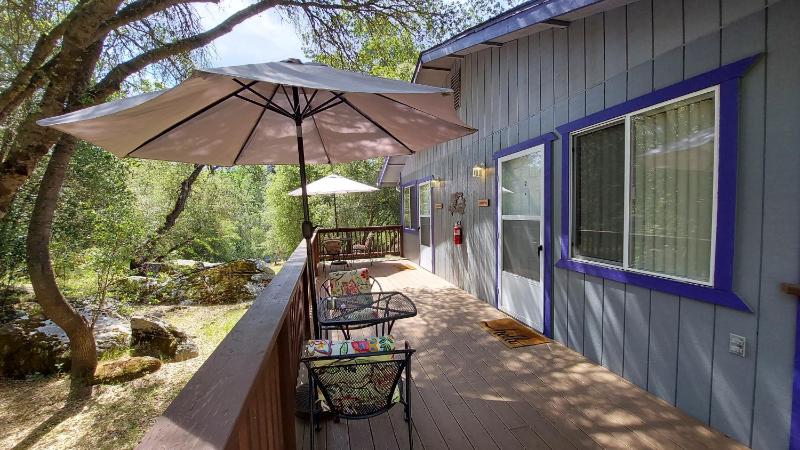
(627, 212)
(410, 224)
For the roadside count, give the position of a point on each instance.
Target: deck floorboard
(470, 391)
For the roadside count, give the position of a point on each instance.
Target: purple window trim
(727, 77)
(794, 432)
(547, 278)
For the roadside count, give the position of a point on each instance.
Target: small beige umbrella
(331, 185)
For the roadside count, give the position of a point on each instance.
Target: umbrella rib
(308, 101)
(328, 104)
(274, 107)
(250, 100)
(421, 111)
(295, 108)
(321, 140)
(249, 136)
(379, 126)
(193, 115)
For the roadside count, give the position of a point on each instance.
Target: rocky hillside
(32, 344)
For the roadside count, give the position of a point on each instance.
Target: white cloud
(262, 38)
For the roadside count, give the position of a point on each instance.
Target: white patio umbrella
(273, 113)
(331, 185)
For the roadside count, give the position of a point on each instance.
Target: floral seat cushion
(349, 282)
(327, 347)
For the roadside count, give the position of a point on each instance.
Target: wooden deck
(470, 391)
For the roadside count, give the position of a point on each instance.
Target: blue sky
(262, 38)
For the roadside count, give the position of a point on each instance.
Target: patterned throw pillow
(349, 282)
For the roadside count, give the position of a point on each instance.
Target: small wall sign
(483, 203)
(438, 205)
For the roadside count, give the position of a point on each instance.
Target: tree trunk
(147, 248)
(83, 351)
(54, 305)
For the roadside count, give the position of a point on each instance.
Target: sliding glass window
(644, 189)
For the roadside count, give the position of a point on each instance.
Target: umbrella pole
(308, 228)
(335, 213)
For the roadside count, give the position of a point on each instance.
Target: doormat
(512, 333)
(404, 266)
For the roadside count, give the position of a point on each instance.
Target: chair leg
(311, 411)
(410, 435)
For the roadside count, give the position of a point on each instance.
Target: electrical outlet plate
(737, 345)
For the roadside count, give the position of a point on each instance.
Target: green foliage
(355, 210)
(94, 229)
(386, 50)
(388, 44)
(224, 217)
(97, 225)
(109, 207)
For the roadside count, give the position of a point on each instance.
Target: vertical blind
(599, 178)
(672, 188)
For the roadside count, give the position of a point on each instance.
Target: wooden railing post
(402, 247)
(287, 381)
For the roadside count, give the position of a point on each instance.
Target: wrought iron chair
(333, 249)
(360, 386)
(366, 247)
(349, 282)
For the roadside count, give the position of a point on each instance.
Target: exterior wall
(674, 347)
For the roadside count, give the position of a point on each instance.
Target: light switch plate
(737, 345)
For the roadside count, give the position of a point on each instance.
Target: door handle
(539, 250)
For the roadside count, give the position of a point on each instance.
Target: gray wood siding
(676, 348)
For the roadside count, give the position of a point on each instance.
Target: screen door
(521, 234)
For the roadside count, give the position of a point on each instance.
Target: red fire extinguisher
(457, 233)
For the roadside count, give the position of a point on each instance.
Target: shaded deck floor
(470, 391)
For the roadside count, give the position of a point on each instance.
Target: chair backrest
(332, 246)
(349, 282)
(357, 387)
(369, 240)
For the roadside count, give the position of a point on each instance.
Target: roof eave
(503, 24)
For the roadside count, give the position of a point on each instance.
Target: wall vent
(455, 84)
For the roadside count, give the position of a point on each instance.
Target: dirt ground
(35, 413)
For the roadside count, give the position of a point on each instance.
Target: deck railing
(243, 395)
(386, 240)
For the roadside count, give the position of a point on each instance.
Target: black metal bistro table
(349, 312)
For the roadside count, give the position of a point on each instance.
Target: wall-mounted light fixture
(436, 181)
(478, 170)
